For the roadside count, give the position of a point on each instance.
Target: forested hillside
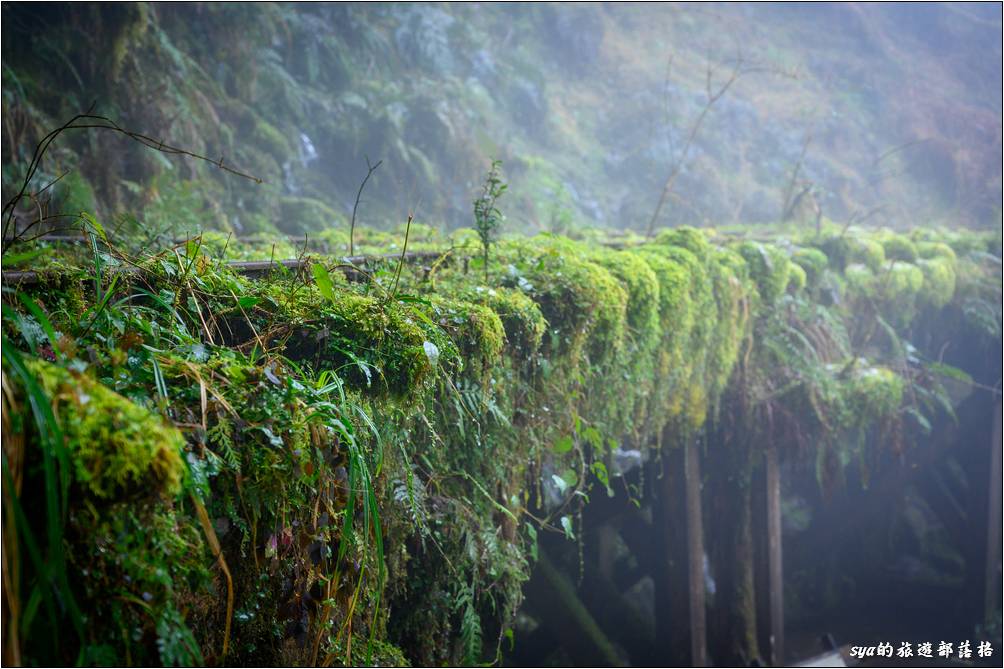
(876, 112)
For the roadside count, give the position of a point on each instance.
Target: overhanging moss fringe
(369, 460)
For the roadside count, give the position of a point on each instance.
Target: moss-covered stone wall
(304, 469)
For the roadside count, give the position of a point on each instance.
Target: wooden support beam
(670, 572)
(775, 573)
(695, 557)
(992, 585)
(252, 269)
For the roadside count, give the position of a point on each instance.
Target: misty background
(888, 114)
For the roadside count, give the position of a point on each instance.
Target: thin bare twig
(404, 252)
(89, 121)
(789, 192)
(370, 169)
(713, 96)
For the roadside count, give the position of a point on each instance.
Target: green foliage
(118, 449)
(899, 248)
(373, 455)
(487, 216)
(939, 280)
(298, 215)
(813, 263)
(768, 268)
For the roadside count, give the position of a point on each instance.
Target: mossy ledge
(366, 454)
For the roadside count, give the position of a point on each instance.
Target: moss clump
(901, 281)
(380, 346)
(931, 250)
(522, 322)
(119, 449)
(476, 330)
(692, 239)
(939, 281)
(897, 282)
(682, 365)
(796, 278)
(897, 247)
(642, 289)
(873, 393)
(768, 268)
(676, 323)
(869, 252)
(860, 279)
(813, 262)
(581, 300)
(852, 247)
(731, 287)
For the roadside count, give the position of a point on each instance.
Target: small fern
(470, 624)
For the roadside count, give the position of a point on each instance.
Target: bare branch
(352, 225)
(88, 121)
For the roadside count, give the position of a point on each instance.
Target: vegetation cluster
(353, 463)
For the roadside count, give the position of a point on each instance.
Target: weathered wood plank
(695, 557)
(253, 268)
(775, 572)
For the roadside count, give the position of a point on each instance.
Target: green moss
(932, 250)
(867, 251)
(897, 247)
(690, 315)
(897, 282)
(768, 268)
(860, 278)
(939, 281)
(692, 239)
(581, 301)
(874, 393)
(732, 288)
(380, 346)
(151, 554)
(849, 247)
(642, 289)
(900, 281)
(893, 289)
(796, 278)
(476, 329)
(520, 316)
(468, 386)
(119, 449)
(813, 262)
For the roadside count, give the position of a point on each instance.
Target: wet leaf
(566, 524)
(431, 352)
(323, 281)
(563, 445)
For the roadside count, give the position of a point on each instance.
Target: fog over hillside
(887, 114)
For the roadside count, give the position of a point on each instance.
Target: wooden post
(993, 567)
(673, 582)
(761, 564)
(695, 557)
(775, 577)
